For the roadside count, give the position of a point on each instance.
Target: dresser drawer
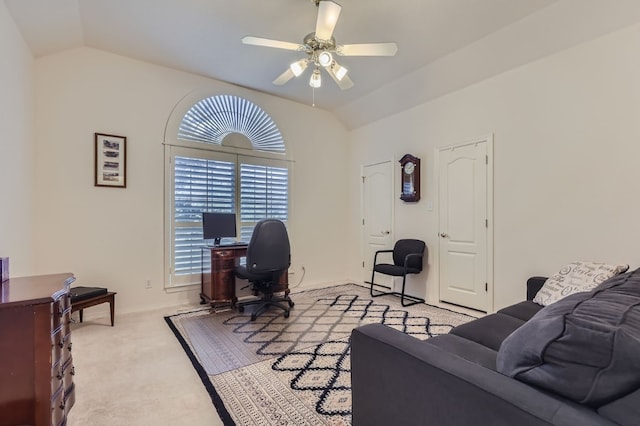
(57, 378)
(68, 371)
(66, 348)
(69, 398)
(57, 312)
(57, 408)
(57, 343)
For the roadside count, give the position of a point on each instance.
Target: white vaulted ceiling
(443, 45)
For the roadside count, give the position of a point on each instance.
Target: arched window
(222, 119)
(226, 156)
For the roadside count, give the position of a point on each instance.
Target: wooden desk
(219, 280)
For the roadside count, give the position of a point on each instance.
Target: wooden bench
(81, 303)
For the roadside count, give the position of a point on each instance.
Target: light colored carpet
(294, 370)
(135, 374)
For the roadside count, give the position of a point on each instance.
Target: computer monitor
(218, 225)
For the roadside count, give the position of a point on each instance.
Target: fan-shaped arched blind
(211, 119)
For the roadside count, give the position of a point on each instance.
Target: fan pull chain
(313, 95)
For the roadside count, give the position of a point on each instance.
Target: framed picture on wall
(111, 160)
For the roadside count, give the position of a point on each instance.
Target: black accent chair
(407, 259)
(268, 257)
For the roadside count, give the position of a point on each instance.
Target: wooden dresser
(36, 367)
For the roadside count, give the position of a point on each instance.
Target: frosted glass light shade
(325, 59)
(316, 79)
(298, 67)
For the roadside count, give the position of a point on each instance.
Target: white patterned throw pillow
(576, 277)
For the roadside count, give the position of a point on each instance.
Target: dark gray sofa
(452, 379)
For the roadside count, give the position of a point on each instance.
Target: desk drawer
(223, 263)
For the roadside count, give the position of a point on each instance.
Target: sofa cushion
(488, 331)
(574, 278)
(584, 347)
(466, 349)
(523, 310)
(624, 411)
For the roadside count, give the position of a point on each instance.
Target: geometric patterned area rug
(296, 370)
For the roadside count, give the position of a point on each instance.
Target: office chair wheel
(291, 304)
(253, 317)
(240, 308)
(286, 314)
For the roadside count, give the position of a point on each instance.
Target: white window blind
(204, 181)
(201, 185)
(264, 193)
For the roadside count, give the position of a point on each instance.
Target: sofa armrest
(398, 379)
(534, 284)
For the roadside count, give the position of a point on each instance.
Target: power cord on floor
(304, 271)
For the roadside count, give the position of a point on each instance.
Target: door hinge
(486, 286)
(363, 263)
(486, 159)
(486, 223)
(363, 221)
(363, 177)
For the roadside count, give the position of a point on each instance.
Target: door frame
(489, 141)
(363, 242)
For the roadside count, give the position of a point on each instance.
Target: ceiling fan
(320, 46)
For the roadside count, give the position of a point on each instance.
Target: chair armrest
(384, 251)
(375, 256)
(411, 256)
(398, 379)
(534, 284)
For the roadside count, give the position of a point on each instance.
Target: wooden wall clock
(410, 178)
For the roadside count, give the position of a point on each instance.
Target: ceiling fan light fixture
(325, 58)
(316, 79)
(298, 67)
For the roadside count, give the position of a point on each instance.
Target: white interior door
(377, 214)
(463, 225)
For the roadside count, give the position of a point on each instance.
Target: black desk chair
(407, 259)
(268, 257)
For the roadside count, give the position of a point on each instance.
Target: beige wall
(565, 130)
(16, 147)
(567, 142)
(114, 237)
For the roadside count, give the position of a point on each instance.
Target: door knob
(443, 235)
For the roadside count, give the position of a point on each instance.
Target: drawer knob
(59, 376)
(73, 371)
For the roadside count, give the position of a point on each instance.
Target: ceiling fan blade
(267, 42)
(343, 83)
(367, 49)
(284, 77)
(328, 14)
